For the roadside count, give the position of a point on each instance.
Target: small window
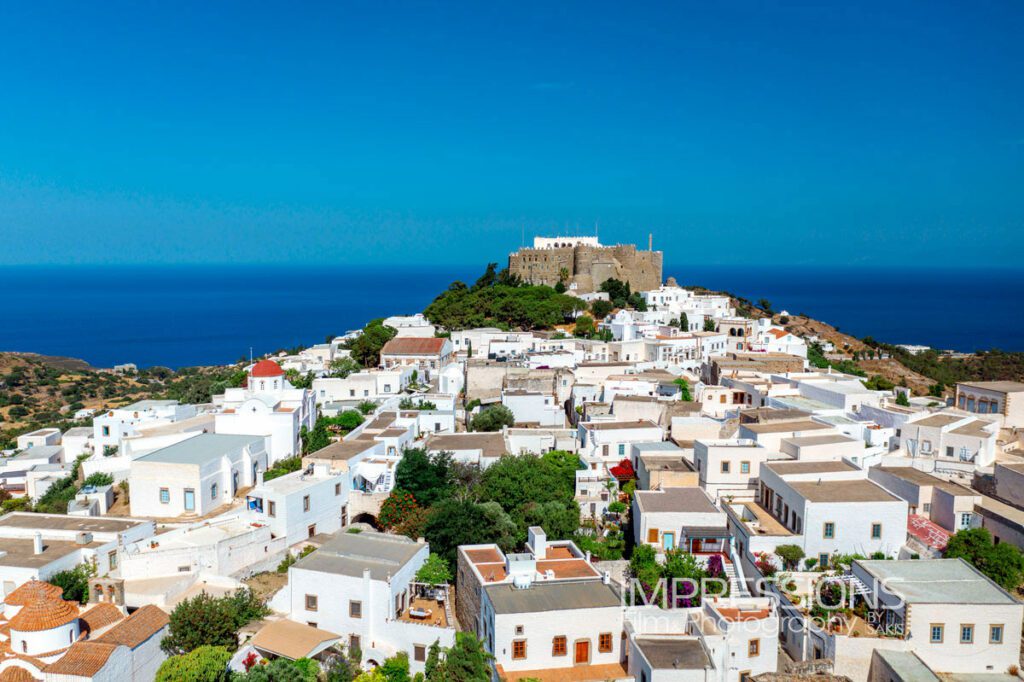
(926, 507)
(937, 632)
(518, 649)
(213, 491)
(966, 634)
(112, 559)
(622, 449)
(165, 496)
(311, 623)
(559, 646)
(604, 642)
(754, 647)
(419, 652)
(337, 489)
(106, 430)
(725, 466)
(876, 531)
(995, 634)
(305, 503)
(823, 560)
(829, 530)
(519, 630)
(744, 467)
(271, 508)
(355, 609)
(353, 643)
(311, 602)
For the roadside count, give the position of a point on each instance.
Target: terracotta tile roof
(44, 614)
(407, 345)
(101, 615)
(16, 674)
(136, 628)
(83, 659)
(778, 333)
(29, 592)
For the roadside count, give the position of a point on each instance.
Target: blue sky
(355, 132)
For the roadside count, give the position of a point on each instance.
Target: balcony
(428, 605)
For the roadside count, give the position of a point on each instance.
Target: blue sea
(194, 315)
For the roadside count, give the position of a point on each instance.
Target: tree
(456, 522)
(431, 669)
(282, 670)
(684, 390)
(489, 278)
(467, 660)
(205, 620)
(75, 581)
(790, 555)
(902, 400)
(342, 367)
(365, 348)
(765, 305)
(317, 439)
(396, 668)
(493, 419)
(434, 571)
(601, 308)
(1003, 563)
(203, 664)
(397, 509)
(367, 407)
(709, 325)
(584, 326)
(428, 477)
(684, 322)
(617, 290)
(98, 479)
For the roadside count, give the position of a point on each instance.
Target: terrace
(428, 605)
(756, 519)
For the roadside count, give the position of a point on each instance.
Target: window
(876, 531)
(559, 647)
(311, 623)
(966, 634)
(305, 503)
(112, 559)
(754, 647)
(995, 634)
(725, 466)
(652, 535)
(337, 489)
(926, 446)
(926, 507)
(519, 630)
(106, 430)
(271, 508)
(938, 632)
(965, 520)
(744, 467)
(829, 530)
(949, 451)
(165, 496)
(353, 642)
(419, 652)
(823, 560)
(355, 609)
(604, 642)
(622, 449)
(518, 649)
(311, 602)
(213, 491)
(190, 499)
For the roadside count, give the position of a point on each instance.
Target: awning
(705, 532)
(289, 639)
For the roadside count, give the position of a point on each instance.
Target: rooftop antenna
(650, 241)
(250, 355)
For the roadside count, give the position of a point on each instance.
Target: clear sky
(366, 132)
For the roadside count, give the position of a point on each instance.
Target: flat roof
(974, 428)
(830, 439)
(351, 553)
(200, 449)
(612, 426)
(907, 666)
(1004, 386)
(556, 595)
(786, 427)
(938, 420)
(343, 450)
(937, 581)
(857, 490)
(677, 653)
(88, 524)
(660, 448)
(921, 478)
(798, 467)
(490, 444)
(685, 500)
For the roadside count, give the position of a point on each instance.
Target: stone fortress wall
(588, 264)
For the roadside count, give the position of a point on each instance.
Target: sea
(180, 316)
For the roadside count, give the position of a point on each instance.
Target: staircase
(737, 587)
(385, 482)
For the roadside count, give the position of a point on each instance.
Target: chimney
(538, 542)
(37, 543)
(650, 241)
(259, 477)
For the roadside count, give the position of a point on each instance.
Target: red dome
(266, 368)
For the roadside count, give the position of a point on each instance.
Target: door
(190, 499)
(668, 540)
(234, 483)
(583, 651)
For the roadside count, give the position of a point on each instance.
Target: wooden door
(583, 651)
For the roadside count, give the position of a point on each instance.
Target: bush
(290, 559)
(617, 507)
(790, 555)
(98, 479)
(75, 581)
(493, 419)
(203, 664)
(205, 620)
(282, 467)
(434, 571)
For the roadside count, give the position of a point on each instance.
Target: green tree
(489, 278)
(367, 407)
(902, 400)
(205, 620)
(765, 305)
(203, 664)
(317, 439)
(584, 326)
(432, 669)
(1003, 563)
(790, 555)
(343, 367)
(709, 325)
(428, 477)
(434, 571)
(365, 348)
(601, 308)
(282, 670)
(396, 668)
(98, 479)
(617, 290)
(684, 390)
(75, 581)
(493, 418)
(467, 660)
(456, 522)
(684, 322)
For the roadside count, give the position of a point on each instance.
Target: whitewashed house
(113, 425)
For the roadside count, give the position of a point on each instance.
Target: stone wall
(589, 266)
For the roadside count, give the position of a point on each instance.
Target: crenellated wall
(588, 266)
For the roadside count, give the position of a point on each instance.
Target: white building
(267, 406)
(729, 468)
(301, 504)
(122, 422)
(684, 518)
(411, 325)
(39, 437)
(1003, 399)
(425, 355)
(534, 408)
(369, 384)
(607, 442)
(950, 439)
(362, 586)
(195, 476)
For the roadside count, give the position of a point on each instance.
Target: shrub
(203, 664)
(434, 571)
(99, 479)
(290, 559)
